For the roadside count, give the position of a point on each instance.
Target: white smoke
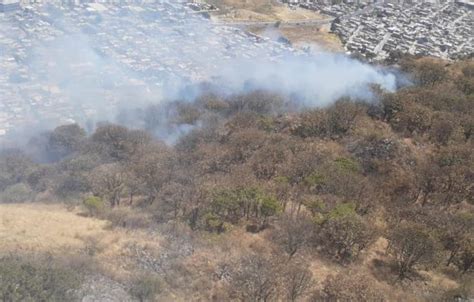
(98, 61)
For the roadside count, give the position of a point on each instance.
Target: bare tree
(293, 232)
(410, 245)
(297, 280)
(155, 167)
(255, 279)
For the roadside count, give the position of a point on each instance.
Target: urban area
(129, 51)
(115, 51)
(378, 29)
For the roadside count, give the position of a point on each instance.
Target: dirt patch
(261, 10)
(313, 37)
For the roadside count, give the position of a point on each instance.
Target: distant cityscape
(120, 53)
(377, 29)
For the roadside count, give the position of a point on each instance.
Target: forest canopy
(324, 182)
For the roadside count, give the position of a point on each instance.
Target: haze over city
(236, 150)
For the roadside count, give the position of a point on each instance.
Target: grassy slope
(40, 228)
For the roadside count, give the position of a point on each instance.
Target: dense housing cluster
(113, 52)
(430, 29)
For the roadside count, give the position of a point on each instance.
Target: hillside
(88, 245)
(258, 198)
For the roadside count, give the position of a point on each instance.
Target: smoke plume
(87, 63)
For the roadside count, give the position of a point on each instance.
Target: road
(379, 47)
(303, 22)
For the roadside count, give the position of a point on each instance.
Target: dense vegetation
(324, 183)
(36, 280)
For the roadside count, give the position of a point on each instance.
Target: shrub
(145, 287)
(94, 205)
(349, 287)
(312, 124)
(213, 223)
(16, 193)
(344, 234)
(72, 185)
(465, 292)
(22, 280)
(128, 218)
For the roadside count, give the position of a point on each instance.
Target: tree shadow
(387, 271)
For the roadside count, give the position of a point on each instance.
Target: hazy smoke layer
(86, 63)
(317, 79)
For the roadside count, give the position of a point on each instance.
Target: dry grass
(284, 13)
(259, 6)
(41, 228)
(44, 228)
(313, 37)
(262, 10)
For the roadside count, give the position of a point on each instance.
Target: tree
(117, 143)
(133, 183)
(109, 140)
(456, 239)
(108, 182)
(443, 128)
(410, 244)
(255, 279)
(244, 143)
(16, 193)
(343, 234)
(341, 177)
(65, 140)
(414, 119)
(455, 164)
(233, 205)
(72, 185)
(297, 280)
(154, 167)
(342, 116)
(426, 71)
(313, 123)
(465, 256)
(268, 206)
(15, 167)
(260, 102)
(265, 161)
(293, 232)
